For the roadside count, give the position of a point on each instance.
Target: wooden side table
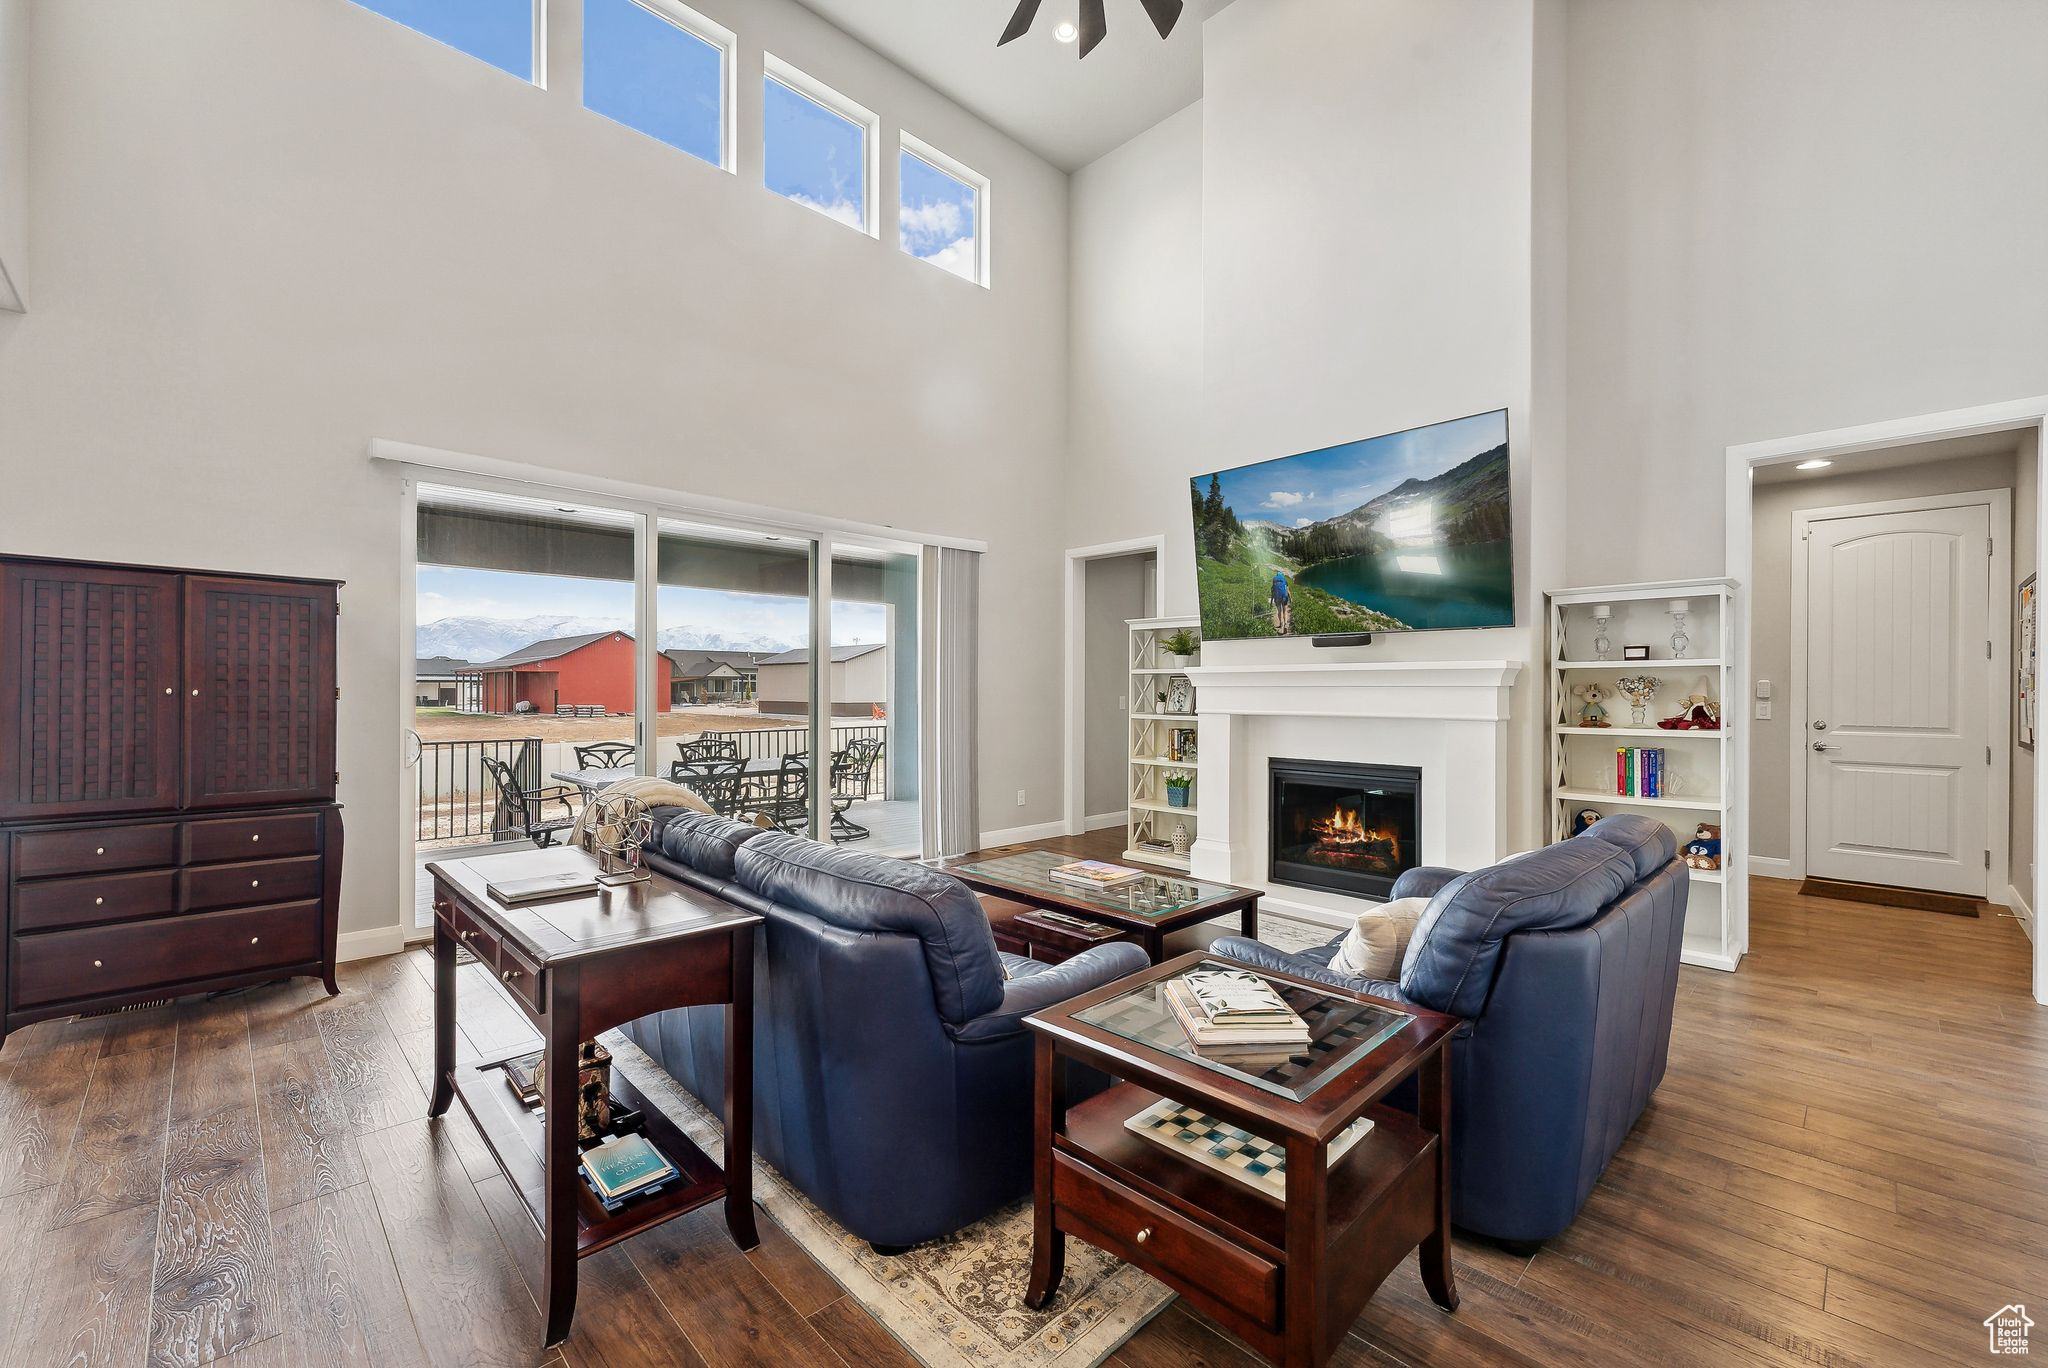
(1286, 1278)
(577, 966)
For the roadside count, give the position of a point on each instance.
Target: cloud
(956, 256)
(1304, 522)
(939, 219)
(844, 210)
(1281, 498)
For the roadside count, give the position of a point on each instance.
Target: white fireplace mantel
(1449, 719)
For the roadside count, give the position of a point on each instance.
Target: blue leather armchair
(1564, 963)
(892, 1068)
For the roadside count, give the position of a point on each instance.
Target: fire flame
(1343, 828)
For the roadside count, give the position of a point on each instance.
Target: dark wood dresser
(167, 814)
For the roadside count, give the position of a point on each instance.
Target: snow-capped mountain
(479, 639)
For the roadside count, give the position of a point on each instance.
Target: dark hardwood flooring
(1844, 1166)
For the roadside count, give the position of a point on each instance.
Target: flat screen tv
(1411, 532)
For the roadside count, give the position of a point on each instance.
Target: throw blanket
(649, 790)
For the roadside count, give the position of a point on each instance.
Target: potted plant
(1180, 648)
(1178, 784)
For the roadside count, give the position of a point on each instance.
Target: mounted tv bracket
(1343, 639)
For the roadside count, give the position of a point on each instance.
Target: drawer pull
(509, 974)
(255, 883)
(1144, 1234)
(168, 689)
(100, 851)
(97, 965)
(195, 693)
(257, 837)
(99, 902)
(252, 940)
(465, 935)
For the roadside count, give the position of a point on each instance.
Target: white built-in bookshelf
(1698, 766)
(1154, 751)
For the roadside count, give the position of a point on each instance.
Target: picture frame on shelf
(1635, 653)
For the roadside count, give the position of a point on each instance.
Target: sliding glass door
(877, 719)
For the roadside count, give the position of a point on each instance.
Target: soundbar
(1343, 639)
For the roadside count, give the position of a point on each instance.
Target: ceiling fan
(1094, 27)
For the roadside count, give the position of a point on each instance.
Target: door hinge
(1987, 650)
(1990, 545)
(1987, 859)
(1987, 755)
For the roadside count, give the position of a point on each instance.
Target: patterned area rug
(953, 1302)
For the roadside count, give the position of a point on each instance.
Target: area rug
(953, 1303)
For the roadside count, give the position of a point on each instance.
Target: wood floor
(1844, 1166)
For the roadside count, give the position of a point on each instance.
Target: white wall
(1135, 434)
(267, 231)
(1770, 743)
(2026, 496)
(1788, 218)
(14, 41)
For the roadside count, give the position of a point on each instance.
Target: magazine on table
(1204, 1030)
(1095, 874)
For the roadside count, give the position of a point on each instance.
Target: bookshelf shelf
(1153, 743)
(1699, 763)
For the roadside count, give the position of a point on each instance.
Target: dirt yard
(439, 724)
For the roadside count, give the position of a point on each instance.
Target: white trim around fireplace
(1449, 719)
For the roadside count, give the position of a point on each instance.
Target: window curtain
(959, 648)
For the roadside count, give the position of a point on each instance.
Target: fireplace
(1347, 828)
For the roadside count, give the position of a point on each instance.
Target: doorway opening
(1108, 587)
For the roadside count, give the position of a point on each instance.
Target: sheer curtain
(959, 611)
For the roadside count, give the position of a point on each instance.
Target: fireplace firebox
(1347, 828)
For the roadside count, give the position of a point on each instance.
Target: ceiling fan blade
(1020, 22)
(1094, 27)
(1165, 14)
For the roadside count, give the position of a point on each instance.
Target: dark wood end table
(1286, 1278)
(1149, 911)
(577, 966)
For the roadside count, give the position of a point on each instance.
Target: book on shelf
(1260, 1164)
(512, 892)
(522, 1076)
(1095, 874)
(1639, 771)
(625, 1165)
(1205, 1031)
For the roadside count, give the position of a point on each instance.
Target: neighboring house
(714, 676)
(594, 669)
(860, 682)
(438, 682)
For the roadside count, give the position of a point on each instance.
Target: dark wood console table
(1287, 1277)
(577, 966)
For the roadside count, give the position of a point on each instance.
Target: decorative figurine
(1697, 711)
(1591, 714)
(1583, 818)
(1639, 690)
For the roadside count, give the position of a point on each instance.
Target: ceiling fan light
(1066, 31)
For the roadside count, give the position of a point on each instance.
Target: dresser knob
(465, 935)
(1145, 1234)
(97, 965)
(252, 940)
(168, 690)
(257, 837)
(255, 883)
(99, 902)
(101, 851)
(195, 693)
(509, 975)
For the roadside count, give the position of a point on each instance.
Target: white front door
(1897, 727)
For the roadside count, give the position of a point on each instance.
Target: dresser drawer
(61, 965)
(209, 887)
(49, 904)
(93, 850)
(520, 975)
(251, 838)
(1165, 1244)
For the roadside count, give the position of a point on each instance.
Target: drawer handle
(465, 935)
(99, 902)
(101, 851)
(97, 965)
(257, 837)
(169, 690)
(195, 693)
(252, 940)
(509, 975)
(255, 883)
(1145, 1234)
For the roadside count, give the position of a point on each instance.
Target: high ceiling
(1036, 89)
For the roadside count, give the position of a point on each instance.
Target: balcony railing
(458, 799)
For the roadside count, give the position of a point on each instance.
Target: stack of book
(1639, 771)
(625, 1167)
(1233, 1010)
(1095, 874)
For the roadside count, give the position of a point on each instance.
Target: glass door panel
(876, 717)
(733, 614)
(525, 677)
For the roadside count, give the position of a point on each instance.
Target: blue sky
(938, 217)
(446, 592)
(648, 74)
(1297, 490)
(814, 156)
(498, 31)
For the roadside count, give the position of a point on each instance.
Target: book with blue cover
(625, 1165)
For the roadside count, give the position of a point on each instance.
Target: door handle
(1820, 726)
(1822, 746)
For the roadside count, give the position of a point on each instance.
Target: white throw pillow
(1374, 947)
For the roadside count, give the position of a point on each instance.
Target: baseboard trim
(1102, 821)
(1012, 835)
(1770, 867)
(372, 944)
(2022, 911)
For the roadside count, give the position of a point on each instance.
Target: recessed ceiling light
(1813, 465)
(1066, 30)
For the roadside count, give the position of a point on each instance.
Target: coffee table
(1149, 910)
(1288, 1277)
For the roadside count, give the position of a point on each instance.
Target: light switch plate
(1763, 710)
(1763, 688)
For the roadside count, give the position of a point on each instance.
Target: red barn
(595, 669)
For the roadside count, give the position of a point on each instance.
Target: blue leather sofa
(1564, 963)
(892, 1067)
